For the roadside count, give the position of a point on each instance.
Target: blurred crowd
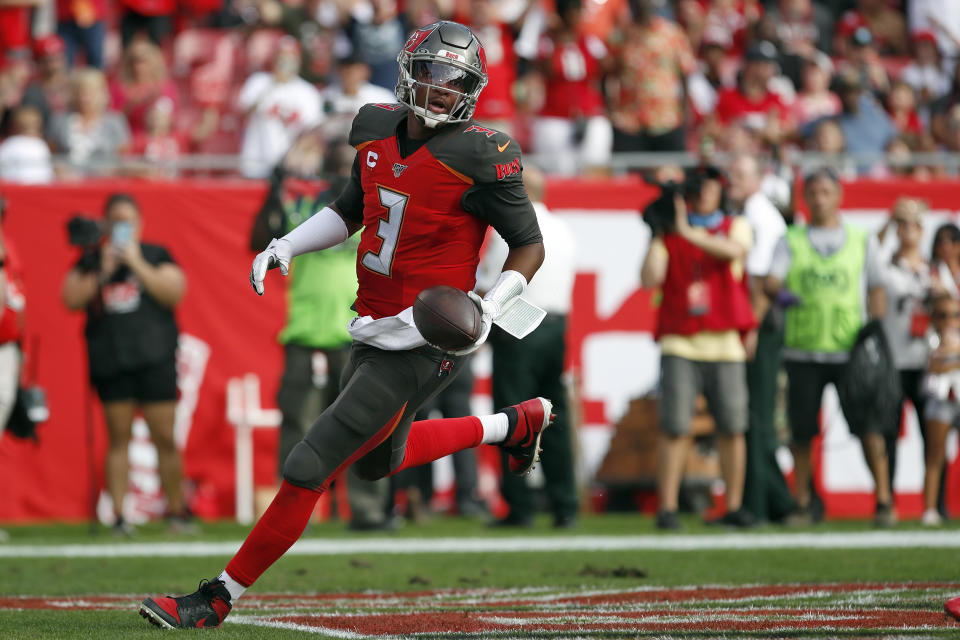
(91, 86)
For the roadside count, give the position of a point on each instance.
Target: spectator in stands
(353, 89)
(926, 73)
(154, 18)
(534, 366)
(571, 65)
(82, 26)
(715, 73)
(885, 24)
(815, 99)
(314, 23)
(866, 126)
(705, 309)
(766, 495)
(142, 81)
(129, 290)
(942, 18)
(902, 109)
(864, 58)
(159, 144)
(647, 103)
(752, 102)
(941, 386)
(803, 25)
(907, 281)
(90, 134)
(377, 31)
(496, 107)
(951, 143)
(24, 155)
(945, 260)
(821, 273)
(731, 20)
(50, 89)
(14, 75)
(279, 106)
(941, 108)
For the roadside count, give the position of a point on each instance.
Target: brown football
(446, 318)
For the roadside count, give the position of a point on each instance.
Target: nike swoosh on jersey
(500, 148)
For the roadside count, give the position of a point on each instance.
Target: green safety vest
(830, 311)
(323, 286)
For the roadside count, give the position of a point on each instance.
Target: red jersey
(573, 72)
(700, 292)
(733, 106)
(416, 232)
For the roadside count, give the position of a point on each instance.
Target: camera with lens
(84, 231)
(661, 214)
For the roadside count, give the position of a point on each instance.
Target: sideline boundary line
(527, 544)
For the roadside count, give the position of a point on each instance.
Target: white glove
(488, 311)
(277, 254)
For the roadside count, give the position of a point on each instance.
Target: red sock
(431, 440)
(276, 531)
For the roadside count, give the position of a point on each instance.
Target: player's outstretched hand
(488, 311)
(277, 254)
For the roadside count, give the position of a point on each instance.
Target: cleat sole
(151, 616)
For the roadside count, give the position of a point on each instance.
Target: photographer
(698, 260)
(128, 290)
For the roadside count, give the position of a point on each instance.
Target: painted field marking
(784, 609)
(530, 544)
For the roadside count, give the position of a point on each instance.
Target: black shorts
(153, 383)
(807, 380)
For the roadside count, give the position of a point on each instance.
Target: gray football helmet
(443, 56)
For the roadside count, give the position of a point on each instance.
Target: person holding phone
(129, 290)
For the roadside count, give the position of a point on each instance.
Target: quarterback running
(426, 183)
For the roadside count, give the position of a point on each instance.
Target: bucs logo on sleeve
(479, 129)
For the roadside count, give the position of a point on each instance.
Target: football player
(426, 183)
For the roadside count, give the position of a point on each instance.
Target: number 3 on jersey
(388, 230)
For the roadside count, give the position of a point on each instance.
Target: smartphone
(121, 234)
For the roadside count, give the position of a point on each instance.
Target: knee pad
(304, 467)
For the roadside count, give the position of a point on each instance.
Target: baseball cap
(48, 45)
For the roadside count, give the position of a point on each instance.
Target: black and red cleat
(953, 607)
(205, 608)
(527, 422)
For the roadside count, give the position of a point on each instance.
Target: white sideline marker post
(245, 414)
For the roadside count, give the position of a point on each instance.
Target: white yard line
(531, 544)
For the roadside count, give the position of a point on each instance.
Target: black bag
(29, 411)
(870, 393)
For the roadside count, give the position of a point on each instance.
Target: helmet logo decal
(450, 54)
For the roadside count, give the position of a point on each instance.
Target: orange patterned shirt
(653, 64)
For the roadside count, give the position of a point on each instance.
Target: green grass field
(873, 582)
